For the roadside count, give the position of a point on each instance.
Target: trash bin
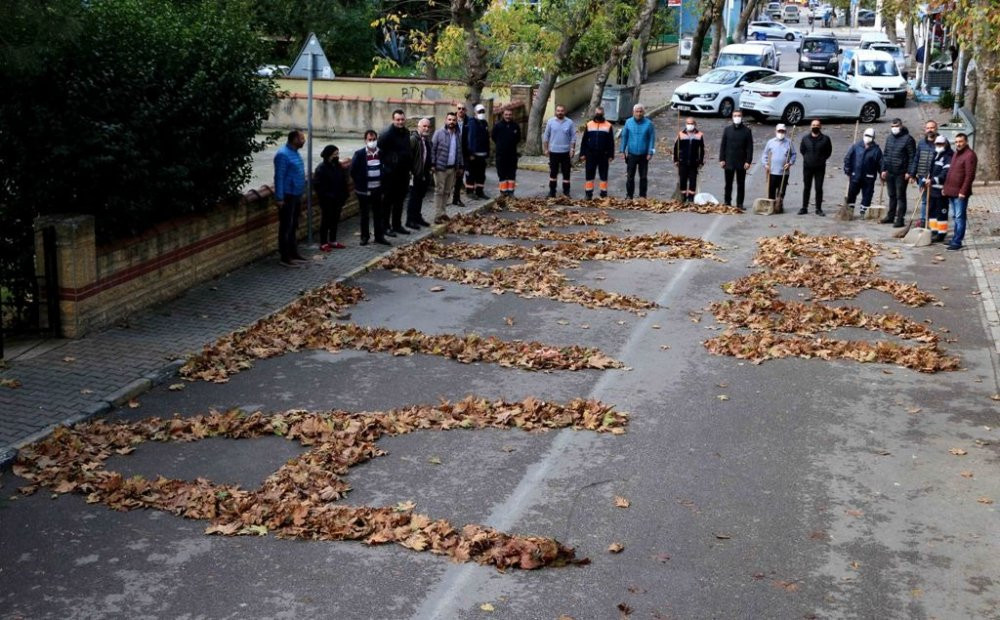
(617, 102)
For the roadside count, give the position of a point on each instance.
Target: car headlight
(709, 96)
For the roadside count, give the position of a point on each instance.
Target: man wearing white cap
(779, 155)
(862, 164)
(477, 147)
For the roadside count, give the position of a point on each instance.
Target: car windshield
(774, 79)
(823, 46)
(891, 49)
(878, 68)
(730, 59)
(719, 76)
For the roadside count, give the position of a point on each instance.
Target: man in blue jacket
(289, 185)
(862, 164)
(638, 145)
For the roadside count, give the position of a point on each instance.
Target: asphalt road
(817, 489)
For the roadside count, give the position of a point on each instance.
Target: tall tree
(466, 15)
(741, 27)
(573, 18)
(710, 11)
(713, 52)
(642, 20)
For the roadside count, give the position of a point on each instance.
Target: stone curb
(168, 371)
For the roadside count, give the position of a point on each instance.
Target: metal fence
(29, 303)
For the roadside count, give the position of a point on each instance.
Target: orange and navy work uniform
(597, 149)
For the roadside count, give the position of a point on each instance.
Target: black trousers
(865, 187)
(741, 182)
(632, 164)
(559, 163)
(373, 206)
(288, 227)
(330, 208)
(477, 171)
(394, 187)
(896, 186)
(416, 201)
(507, 167)
(687, 180)
(596, 166)
(811, 176)
(776, 187)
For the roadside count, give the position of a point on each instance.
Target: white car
(796, 97)
(772, 30)
(896, 52)
(718, 91)
(876, 71)
(273, 70)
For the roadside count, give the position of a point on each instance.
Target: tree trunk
(987, 119)
(889, 22)
(911, 39)
(709, 9)
(741, 27)
(713, 52)
(618, 52)
(466, 15)
(972, 82)
(576, 24)
(430, 68)
(637, 74)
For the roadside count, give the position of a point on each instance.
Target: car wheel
(869, 113)
(726, 108)
(793, 114)
(789, 37)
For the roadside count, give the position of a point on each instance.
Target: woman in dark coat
(331, 187)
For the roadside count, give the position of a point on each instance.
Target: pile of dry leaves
(649, 205)
(831, 268)
(297, 501)
(307, 323)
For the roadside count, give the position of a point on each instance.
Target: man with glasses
(461, 122)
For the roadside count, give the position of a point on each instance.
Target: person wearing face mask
(689, 157)
(638, 146)
(921, 164)
(816, 147)
(420, 148)
(937, 204)
(507, 137)
(366, 172)
(862, 164)
(394, 149)
(597, 148)
(778, 157)
(477, 150)
(958, 186)
(289, 185)
(898, 156)
(331, 188)
(735, 157)
(559, 144)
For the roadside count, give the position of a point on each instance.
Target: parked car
(897, 54)
(871, 38)
(718, 91)
(790, 14)
(771, 46)
(819, 52)
(772, 30)
(273, 70)
(773, 10)
(795, 97)
(877, 71)
(866, 17)
(739, 54)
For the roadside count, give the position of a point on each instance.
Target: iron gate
(29, 303)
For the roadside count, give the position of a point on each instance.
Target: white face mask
(371, 144)
(895, 131)
(780, 135)
(939, 149)
(689, 128)
(481, 116)
(737, 120)
(868, 139)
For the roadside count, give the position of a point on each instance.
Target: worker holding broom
(779, 156)
(862, 165)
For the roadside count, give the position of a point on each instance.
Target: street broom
(846, 212)
(920, 236)
(878, 210)
(765, 206)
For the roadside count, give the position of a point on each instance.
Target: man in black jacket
(735, 157)
(420, 149)
(507, 137)
(462, 123)
(816, 148)
(897, 156)
(397, 161)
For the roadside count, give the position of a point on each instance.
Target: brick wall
(99, 285)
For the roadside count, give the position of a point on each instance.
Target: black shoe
(566, 194)
(390, 233)
(400, 230)
(952, 246)
(803, 211)
(413, 225)
(552, 193)
(382, 242)
(898, 224)
(604, 194)
(820, 213)
(889, 219)
(589, 195)
(364, 242)
(458, 203)
(423, 222)
(628, 196)
(482, 196)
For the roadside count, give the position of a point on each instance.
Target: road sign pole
(309, 152)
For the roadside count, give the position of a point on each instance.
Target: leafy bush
(147, 111)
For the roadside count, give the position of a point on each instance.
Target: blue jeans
(958, 207)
